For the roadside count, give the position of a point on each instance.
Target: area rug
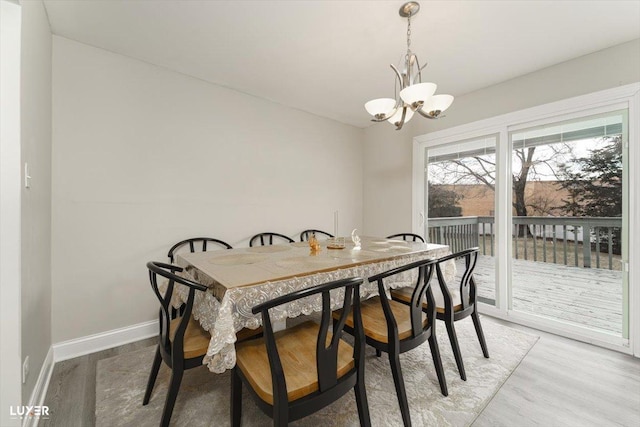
(203, 399)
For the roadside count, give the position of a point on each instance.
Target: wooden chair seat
(297, 350)
(196, 339)
(374, 323)
(404, 294)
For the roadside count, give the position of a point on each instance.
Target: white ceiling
(330, 57)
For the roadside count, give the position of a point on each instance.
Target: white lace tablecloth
(222, 319)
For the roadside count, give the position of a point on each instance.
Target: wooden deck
(585, 296)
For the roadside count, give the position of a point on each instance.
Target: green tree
(594, 184)
(443, 202)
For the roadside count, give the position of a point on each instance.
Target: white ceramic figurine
(356, 240)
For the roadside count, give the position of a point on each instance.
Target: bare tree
(534, 163)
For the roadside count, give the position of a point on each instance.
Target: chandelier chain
(409, 34)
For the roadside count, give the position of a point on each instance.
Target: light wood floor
(71, 396)
(560, 382)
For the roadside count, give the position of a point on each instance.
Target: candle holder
(335, 243)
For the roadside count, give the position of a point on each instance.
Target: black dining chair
(266, 239)
(395, 328)
(182, 342)
(453, 304)
(304, 236)
(460, 303)
(203, 242)
(298, 371)
(407, 237)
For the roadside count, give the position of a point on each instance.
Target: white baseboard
(40, 389)
(104, 340)
(79, 347)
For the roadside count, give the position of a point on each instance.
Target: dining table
(239, 279)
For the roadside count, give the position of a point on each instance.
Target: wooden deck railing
(567, 240)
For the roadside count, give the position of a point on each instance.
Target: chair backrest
(166, 314)
(326, 355)
(304, 236)
(407, 237)
(203, 241)
(267, 239)
(467, 284)
(425, 272)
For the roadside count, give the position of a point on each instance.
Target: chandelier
(415, 96)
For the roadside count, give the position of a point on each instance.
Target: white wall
(387, 180)
(388, 154)
(36, 200)
(10, 24)
(144, 157)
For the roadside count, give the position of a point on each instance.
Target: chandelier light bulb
(380, 108)
(398, 115)
(418, 94)
(437, 105)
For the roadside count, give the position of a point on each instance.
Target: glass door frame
(585, 114)
(623, 97)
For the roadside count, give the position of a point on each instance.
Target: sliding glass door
(569, 222)
(544, 194)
